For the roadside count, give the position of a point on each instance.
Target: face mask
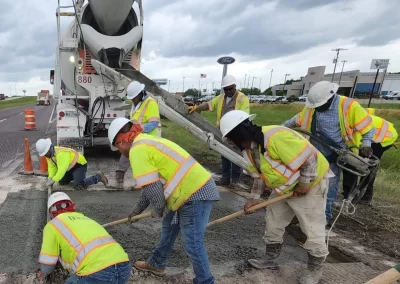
(325, 106)
(52, 151)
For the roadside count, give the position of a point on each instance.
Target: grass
(387, 181)
(17, 102)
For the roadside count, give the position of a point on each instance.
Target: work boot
(102, 178)
(222, 182)
(119, 177)
(314, 270)
(272, 252)
(145, 266)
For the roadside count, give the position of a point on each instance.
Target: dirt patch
(374, 227)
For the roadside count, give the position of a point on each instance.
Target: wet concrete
(228, 244)
(22, 218)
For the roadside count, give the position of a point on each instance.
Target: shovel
(125, 220)
(387, 277)
(252, 209)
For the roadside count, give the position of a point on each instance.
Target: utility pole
(336, 59)
(252, 82)
(169, 83)
(284, 84)
(183, 85)
(244, 81)
(270, 78)
(260, 85)
(340, 78)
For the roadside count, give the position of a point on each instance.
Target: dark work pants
(349, 180)
(229, 170)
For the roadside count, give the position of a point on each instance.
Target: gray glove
(50, 182)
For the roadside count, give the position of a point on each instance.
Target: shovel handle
(125, 220)
(254, 208)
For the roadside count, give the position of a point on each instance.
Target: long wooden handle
(125, 220)
(254, 208)
(387, 277)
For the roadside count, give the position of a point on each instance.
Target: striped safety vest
(241, 103)
(353, 119)
(385, 133)
(155, 159)
(144, 115)
(286, 151)
(74, 157)
(80, 244)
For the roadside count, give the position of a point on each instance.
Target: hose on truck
(94, 113)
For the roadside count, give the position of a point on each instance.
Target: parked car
(303, 98)
(392, 95)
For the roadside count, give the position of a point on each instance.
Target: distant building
(352, 83)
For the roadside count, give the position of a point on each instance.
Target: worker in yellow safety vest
(230, 99)
(145, 112)
(383, 140)
(81, 245)
(66, 165)
(287, 162)
(168, 176)
(340, 122)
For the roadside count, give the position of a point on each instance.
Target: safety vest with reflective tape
(155, 159)
(354, 121)
(80, 244)
(286, 151)
(385, 133)
(55, 171)
(241, 103)
(148, 112)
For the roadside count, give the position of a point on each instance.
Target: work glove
(365, 152)
(192, 109)
(50, 182)
(155, 214)
(301, 189)
(250, 203)
(130, 216)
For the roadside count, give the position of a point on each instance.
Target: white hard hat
(115, 126)
(134, 89)
(43, 146)
(320, 93)
(232, 119)
(227, 81)
(55, 197)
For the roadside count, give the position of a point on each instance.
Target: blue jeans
(78, 175)
(193, 218)
(229, 169)
(114, 274)
(333, 190)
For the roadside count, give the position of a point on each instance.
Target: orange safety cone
(43, 171)
(28, 167)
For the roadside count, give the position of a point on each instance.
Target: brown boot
(145, 266)
(102, 178)
(119, 177)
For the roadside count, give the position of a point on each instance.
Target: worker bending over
(66, 165)
(145, 112)
(169, 177)
(340, 122)
(81, 245)
(230, 99)
(286, 162)
(383, 140)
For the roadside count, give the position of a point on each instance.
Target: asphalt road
(12, 134)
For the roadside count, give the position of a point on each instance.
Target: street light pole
(340, 78)
(183, 85)
(336, 59)
(270, 78)
(244, 81)
(252, 82)
(260, 84)
(169, 83)
(284, 84)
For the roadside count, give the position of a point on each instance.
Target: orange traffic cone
(43, 167)
(28, 167)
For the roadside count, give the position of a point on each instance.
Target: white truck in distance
(43, 98)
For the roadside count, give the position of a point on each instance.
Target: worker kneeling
(66, 165)
(169, 176)
(286, 162)
(81, 245)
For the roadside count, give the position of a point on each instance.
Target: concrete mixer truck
(96, 58)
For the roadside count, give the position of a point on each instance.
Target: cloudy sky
(184, 38)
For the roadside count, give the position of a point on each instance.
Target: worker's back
(83, 245)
